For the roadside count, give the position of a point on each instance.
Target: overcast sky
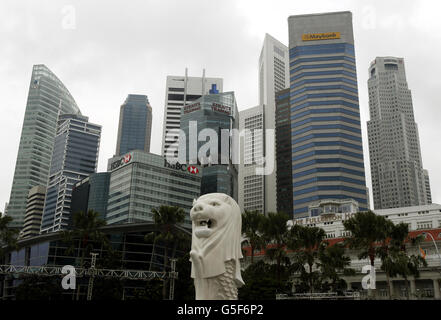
(104, 50)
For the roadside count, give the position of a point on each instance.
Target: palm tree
(396, 260)
(275, 233)
(166, 218)
(306, 242)
(85, 230)
(252, 229)
(367, 231)
(333, 262)
(389, 247)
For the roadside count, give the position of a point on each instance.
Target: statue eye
(214, 203)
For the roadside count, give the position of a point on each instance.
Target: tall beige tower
(273, 77)
(398, 177)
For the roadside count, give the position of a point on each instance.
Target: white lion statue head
(216, 237)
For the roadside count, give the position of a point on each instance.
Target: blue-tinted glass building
(47, 98)
(74, 158)
(327, 152)
(284, 194)
(91, 193)
(135, 125)
(217, 112)
(142, 181)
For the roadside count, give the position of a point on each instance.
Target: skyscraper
(91, 193)
(398, 177)
(283, 153)
(273, 77)
(427, 185)
(34, 212)
(252, 185)
(135, 125)
(212, 114)
(181, 90)
(74, 157)
(141, 181)
(47, 98)
(327, 152)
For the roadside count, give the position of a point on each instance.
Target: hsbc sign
(181, 167)
(124, 160)
(193, 169)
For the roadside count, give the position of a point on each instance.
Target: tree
(252, 229)
(166, 218)
(275, 233)
(394, 256)
(86, 232)
(184, 285)
(306, 242)
(8, 239)
(8, 236)
(334, 263)
(35, 287)
(388, 249)
(260, 284)
(367, 231)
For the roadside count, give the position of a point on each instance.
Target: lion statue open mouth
(215, 248)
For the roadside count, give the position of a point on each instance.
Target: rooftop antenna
(185, 86)
(203, 81)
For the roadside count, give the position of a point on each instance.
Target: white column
(436, 292)
(391, 289)
(412, 294)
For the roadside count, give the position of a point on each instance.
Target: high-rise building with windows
(327, 151)
(284, 193)
(182, 90)
(273, 77)
(135, 125)
(74, 157)
(47, 98)
(91, 193)
(141, 182)
(212, 114)
(251, 183)
(427, 186)
(34, 212)
(398, 177)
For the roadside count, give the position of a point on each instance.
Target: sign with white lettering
(123, 161)
(181, 167)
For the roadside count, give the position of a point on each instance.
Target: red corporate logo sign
(122, 161)
(182, 167)
(193, 170)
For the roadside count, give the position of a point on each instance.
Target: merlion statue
(216, 247)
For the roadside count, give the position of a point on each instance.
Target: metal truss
(320, 296)
(80, 272)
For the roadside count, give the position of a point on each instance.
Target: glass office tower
(327, 152)
(91, 193)
(75, 157)
(283, 153)
(142, 181)
(135, 125)
(182, 90)
(47, 98)
(219, 113)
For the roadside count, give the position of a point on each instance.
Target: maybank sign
(320, 36)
